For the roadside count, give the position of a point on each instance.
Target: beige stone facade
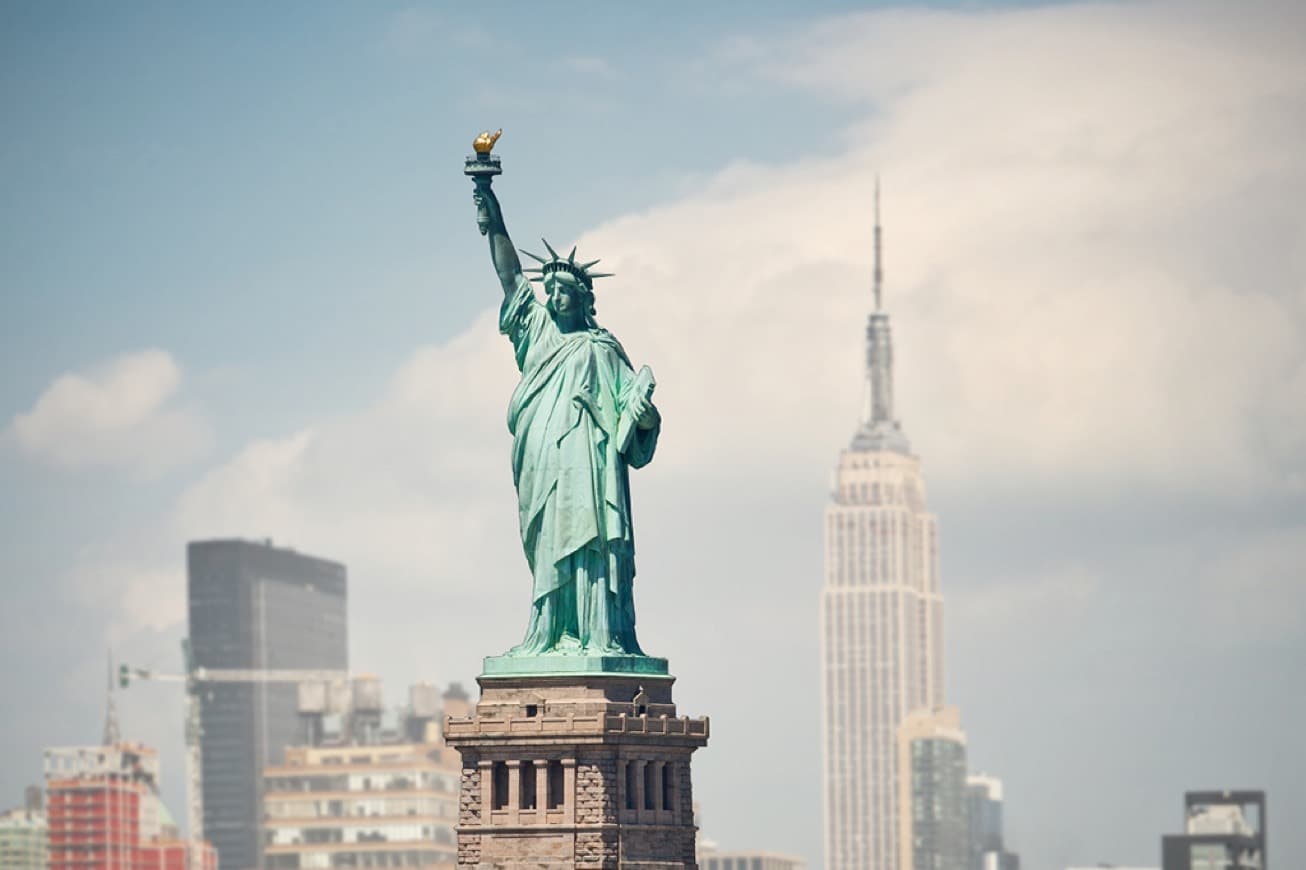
(715, 860)
(881, 647)
(384, 805)
(584, 771)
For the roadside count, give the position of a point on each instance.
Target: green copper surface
(569, 665)
(580, 419)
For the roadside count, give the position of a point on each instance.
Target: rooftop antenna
(879, 274)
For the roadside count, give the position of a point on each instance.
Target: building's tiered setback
(578, 771)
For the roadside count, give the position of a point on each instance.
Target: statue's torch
(481, 167)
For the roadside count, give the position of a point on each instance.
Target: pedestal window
(528, 785)
(650, 786)
(499, 786)
(557, 783)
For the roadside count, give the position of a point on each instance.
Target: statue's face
(564, 296)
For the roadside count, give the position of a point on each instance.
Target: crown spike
(571, 258)
(600, 274)
(590, 263)
(552, 252)
(536, 257)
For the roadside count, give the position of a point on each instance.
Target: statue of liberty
(580, 419)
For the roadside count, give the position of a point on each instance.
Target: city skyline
(244, 297)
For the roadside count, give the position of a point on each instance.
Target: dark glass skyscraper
(255, 606)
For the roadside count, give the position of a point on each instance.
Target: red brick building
(105, 814)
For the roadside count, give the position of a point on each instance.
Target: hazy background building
(986, 841)
(934, 832)
(23, 834)
(749, 861)
(984, 817)
(1223, 830)
(881, 617)
(364, 792)
(255, 606)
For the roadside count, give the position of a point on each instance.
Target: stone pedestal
(584, 770)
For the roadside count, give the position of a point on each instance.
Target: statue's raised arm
(489, 214)
(489, 217)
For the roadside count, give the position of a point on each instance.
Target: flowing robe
(572, 479)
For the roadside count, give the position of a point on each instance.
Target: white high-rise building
(881, 616)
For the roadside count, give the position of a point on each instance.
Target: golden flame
(484, 142)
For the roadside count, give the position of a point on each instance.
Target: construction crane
(194, 679)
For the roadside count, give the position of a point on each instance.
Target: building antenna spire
(879, 273)
(111, 733)
(879, 429)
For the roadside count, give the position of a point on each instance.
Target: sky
(242, 294)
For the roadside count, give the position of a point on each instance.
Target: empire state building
(881, 616)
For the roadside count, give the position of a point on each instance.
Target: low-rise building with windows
(23, 834)
(366, 795)
(749, 861)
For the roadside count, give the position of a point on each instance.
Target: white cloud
(398, 483)
(122, 413)
(1092, 265)
(135, 591)
(156, 599)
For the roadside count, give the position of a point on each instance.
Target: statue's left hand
(645, 415)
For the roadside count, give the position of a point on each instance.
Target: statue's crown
(581, 271)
